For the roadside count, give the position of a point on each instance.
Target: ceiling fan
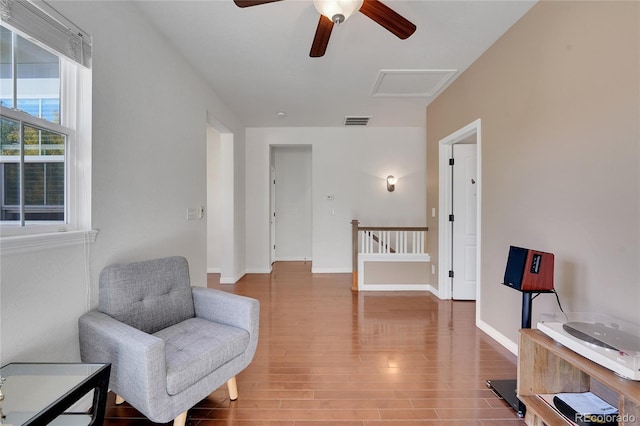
(337, 11)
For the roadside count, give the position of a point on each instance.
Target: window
(32, 172)
(45, 146)
(33, 144)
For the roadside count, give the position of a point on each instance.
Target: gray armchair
(169, 344)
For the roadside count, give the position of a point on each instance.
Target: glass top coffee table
(49, 393)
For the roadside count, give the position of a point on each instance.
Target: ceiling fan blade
(389, 19)
(248, 3)
(321, 39)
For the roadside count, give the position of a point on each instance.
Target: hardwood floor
(327, 356)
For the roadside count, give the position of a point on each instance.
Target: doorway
(290, 214)
(220, 208)
(459, 237)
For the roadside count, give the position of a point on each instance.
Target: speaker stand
(508, 389)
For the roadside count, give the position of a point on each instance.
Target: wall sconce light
(391, 183)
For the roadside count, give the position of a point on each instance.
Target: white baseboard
(213, 270)
(293, 259)
(315, 270)
(232, 280)
(401, 287)
(498, 337)
(258, 270)
(434, 291)
(394, 287)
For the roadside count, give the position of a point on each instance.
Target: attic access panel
(411, 83)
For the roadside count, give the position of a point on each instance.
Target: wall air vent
(356, 121)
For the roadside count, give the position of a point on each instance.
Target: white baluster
(385, 246)
(368, 241)
(395, 240)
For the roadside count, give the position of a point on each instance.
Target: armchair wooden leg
(180, 420)
(233, 388)
(119, 399)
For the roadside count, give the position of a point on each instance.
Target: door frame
(272, 213)
(445, 147)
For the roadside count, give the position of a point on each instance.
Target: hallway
(327, 356)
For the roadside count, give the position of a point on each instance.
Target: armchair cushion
(196, 347)
(149, 295)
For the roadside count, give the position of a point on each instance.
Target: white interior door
(293, 203)
(464, 224)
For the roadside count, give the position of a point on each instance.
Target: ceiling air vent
(356, 121)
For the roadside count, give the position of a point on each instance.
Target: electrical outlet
(191, 213)
(433, 269)
(200, 212)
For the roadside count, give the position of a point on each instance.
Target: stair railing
(384, 240)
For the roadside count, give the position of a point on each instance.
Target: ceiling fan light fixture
(337, 10)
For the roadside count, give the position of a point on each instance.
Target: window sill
(27, 243)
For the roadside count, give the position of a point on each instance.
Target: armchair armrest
(226, 308)
(137, 358)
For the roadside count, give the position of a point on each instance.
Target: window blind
(43, 23)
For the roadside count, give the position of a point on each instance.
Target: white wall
(42, 295)
(233, 204)
(214, 200)
(293, 203)
(149, 165)
(352, 165)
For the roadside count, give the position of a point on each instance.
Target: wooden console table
(547, 367)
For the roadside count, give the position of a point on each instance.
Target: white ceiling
(257, 58)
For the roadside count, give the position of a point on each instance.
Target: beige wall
(377, 273)
(558, 96)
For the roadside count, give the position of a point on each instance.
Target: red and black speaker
(529, 270)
